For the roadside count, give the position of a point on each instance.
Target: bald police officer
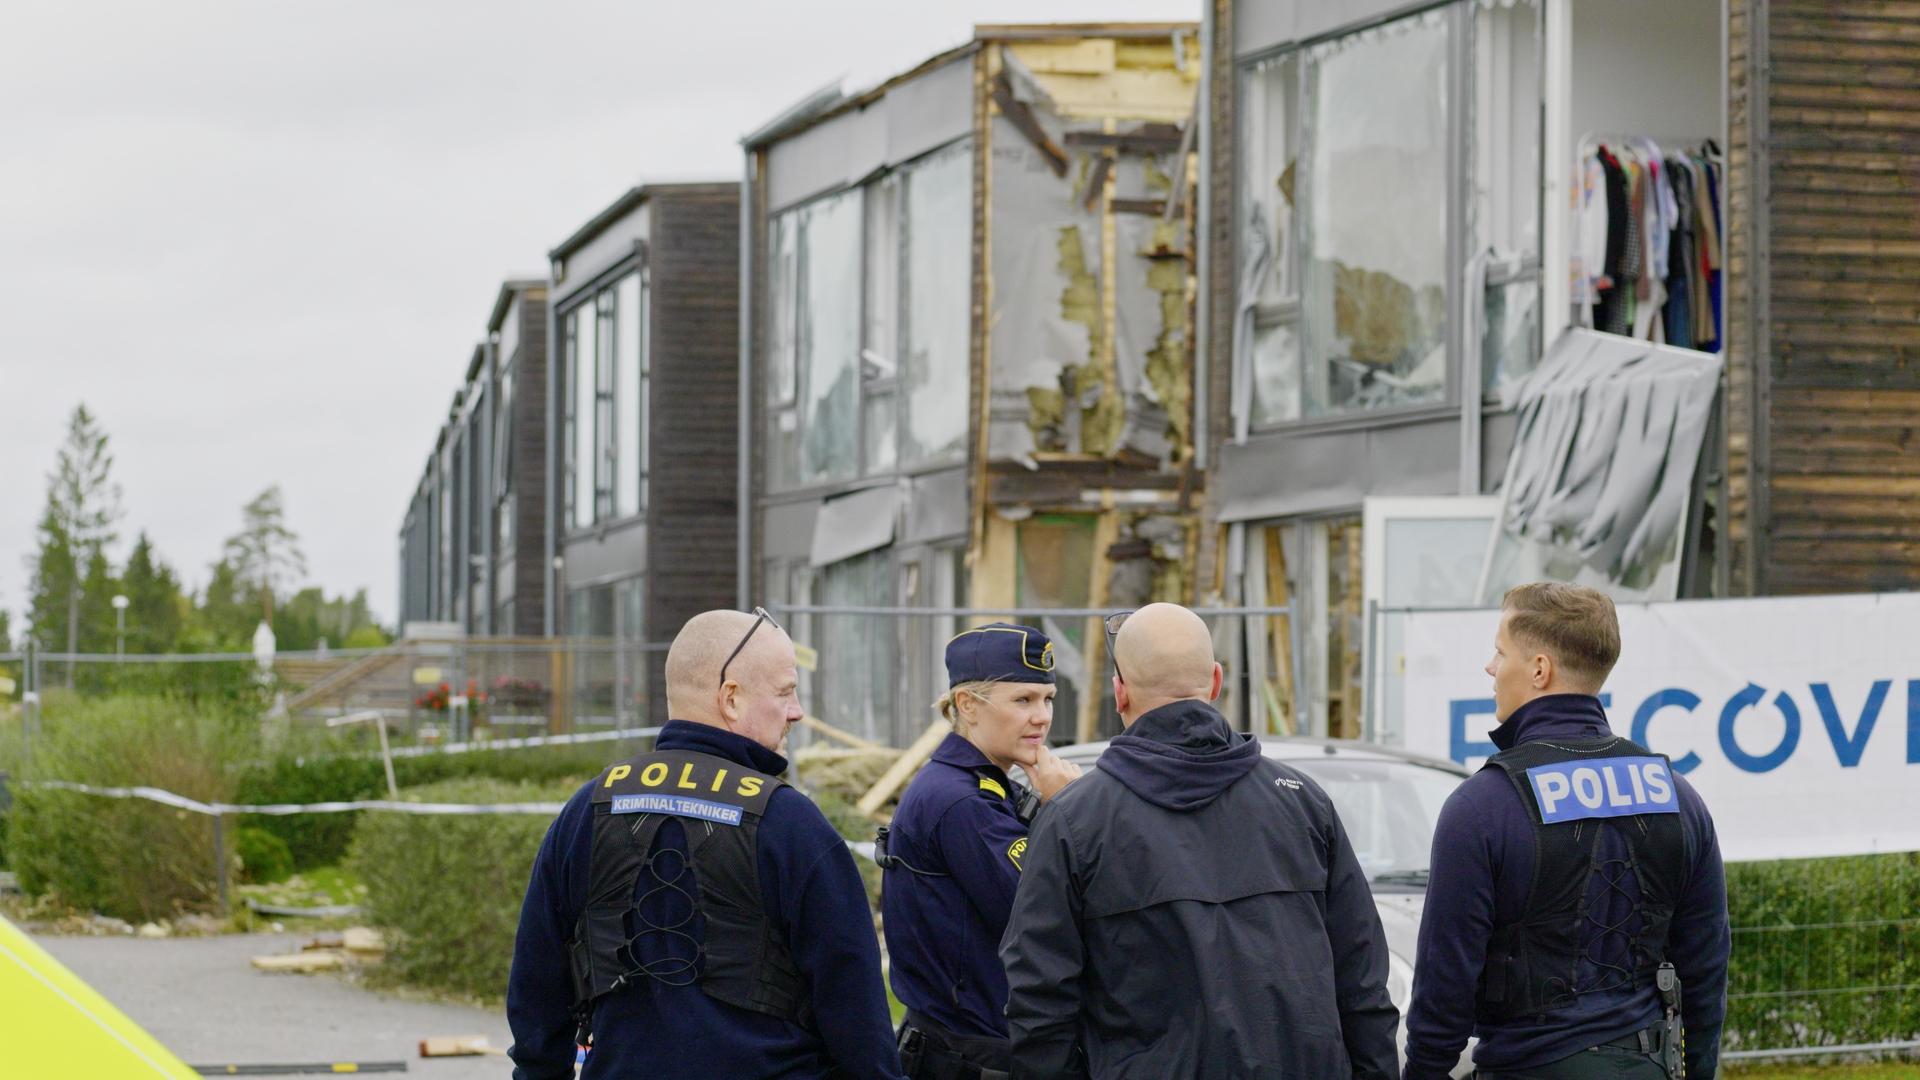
(953, 852)
(1577, 896)
(690, 915)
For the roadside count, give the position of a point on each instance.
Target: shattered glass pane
(881, 425)
(1510, 345)
(854, 684)
(783, 276)
(1270, 140)
(939, 283)
(1375, 220)
(1276, 373)
(830, 339)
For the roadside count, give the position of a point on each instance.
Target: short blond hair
(1575, 625)
(949, 705)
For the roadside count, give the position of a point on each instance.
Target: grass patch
(1907, 1070)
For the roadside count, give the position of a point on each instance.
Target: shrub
(447, 889)
(129, 858)
(311, 839)
(264, 858)
(1811, 937)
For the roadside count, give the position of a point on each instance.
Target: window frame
(1461, 52)
(595, 303)
(776, 401)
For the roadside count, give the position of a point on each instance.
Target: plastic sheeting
(1600, 478)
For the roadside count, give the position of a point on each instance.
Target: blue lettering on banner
(1609, 787)
(1674, 696)
(1749, 696)
(1848, 747)
(680, 806)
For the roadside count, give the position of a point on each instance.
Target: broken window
(1314, 569)
(783, 351)
(939, 287)
(1342, 233)
(880, 342)
(855, 681)
(830, 339)
(1504, 210)
(1374, 220)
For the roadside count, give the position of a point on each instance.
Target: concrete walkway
(202, 999)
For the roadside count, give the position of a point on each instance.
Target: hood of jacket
(1180, 756)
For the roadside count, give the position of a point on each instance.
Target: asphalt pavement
(200, 997)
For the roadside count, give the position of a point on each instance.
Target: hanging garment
(1609, 313)
(1680, 248)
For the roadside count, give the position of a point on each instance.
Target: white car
(1388, 801)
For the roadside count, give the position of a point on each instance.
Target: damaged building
(1615, 291)
(966, 358)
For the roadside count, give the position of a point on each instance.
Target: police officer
(690, 915)
(952, 854)
(1576, 918)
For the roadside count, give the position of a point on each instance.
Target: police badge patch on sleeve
(1017, 851)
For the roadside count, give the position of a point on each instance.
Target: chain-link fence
(429, 691)
(874, 672)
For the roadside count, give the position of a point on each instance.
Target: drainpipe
(743, 465)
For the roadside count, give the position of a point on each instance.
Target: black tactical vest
(742, 960)
(1576, 791)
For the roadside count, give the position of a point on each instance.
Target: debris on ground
(457, 1046)
(356, 946)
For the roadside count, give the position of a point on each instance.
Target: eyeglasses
(763, 618)
(1114, 622)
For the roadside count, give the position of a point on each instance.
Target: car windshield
(1388, 809)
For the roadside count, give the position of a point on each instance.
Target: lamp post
(120, 626)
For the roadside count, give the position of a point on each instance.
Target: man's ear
(1213, 693)
(1542, 671)
(726, 701)
(1121, 699)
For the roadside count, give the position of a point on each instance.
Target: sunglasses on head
(1114, 622)
(762, 617)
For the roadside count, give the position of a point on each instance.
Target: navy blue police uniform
(953, 857)
(692, 916)
(1566, 874)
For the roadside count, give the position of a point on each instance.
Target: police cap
(1000, 652)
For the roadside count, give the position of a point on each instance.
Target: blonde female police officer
(952, 855)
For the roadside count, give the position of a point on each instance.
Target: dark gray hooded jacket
(1192, 909)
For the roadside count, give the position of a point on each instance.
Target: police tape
(524, 743)
(220, 809)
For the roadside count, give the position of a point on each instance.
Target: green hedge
(1811, 938)
(321, 772)
(447, 889)
(128, 858)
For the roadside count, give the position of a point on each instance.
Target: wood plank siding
(693, 270)
(1827, 280)
(529, 481)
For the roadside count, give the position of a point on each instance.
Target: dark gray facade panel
(787, 529)
(1287, 475)
(922, 114)
(930, 111)
(1260, 25)
(529, 483)
(826, 157)
(592, 559)
(936, 507)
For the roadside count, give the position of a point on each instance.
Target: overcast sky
(259, 240)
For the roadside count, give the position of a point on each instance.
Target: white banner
(1798, 719)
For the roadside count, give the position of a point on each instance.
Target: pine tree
(96, 632)
(6, 632)
(83, 506)
(225, 617)
(53, 579)
(265, 554)
(154, 603)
